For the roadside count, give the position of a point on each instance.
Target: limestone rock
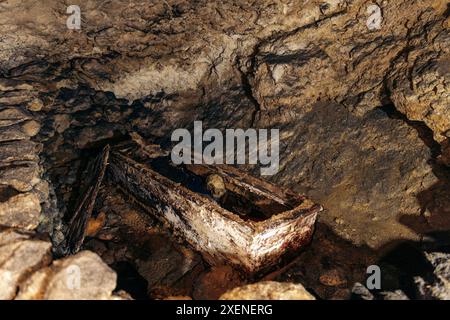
(12, 133)
(420, 83)
(364, 170)
(31, 128)
(439, 285)
(11, 116)
(21, 176)
(80, 277)
(21, 211)
(19, 257)
(269, 290)
(23, 150)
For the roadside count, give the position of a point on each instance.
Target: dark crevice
(86, 155)
(7, 192)
(425, 133)
(247, 87)
(130, 281)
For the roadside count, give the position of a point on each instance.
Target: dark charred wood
(92, 182)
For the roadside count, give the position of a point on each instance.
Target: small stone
(339, 220)
(95, 224)
(427, 213)
(62, 122)
(361, 292)
(216, 186)
(333, 278)
(31, 128)
(269, 290)
(35, 105)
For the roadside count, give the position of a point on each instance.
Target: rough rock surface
(363, 170)
(20, 211)
(59, 281)
(20, 256)
(314, 69)
(437, 286)
(419, 83)
(269, 290)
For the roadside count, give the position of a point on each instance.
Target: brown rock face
(364, 170)
(419, 82)
(360, 94)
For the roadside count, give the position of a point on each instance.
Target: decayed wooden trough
(251, 226)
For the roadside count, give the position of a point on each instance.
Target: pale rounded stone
(35, 105)
(269, 290)
(18, 260)
(31, 128)
(83, 276)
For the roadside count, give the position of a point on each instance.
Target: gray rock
(395, 295)
(361, 292)
(438, 287)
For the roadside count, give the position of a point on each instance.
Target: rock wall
(318, 70)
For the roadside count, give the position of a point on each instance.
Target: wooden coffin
(252, 230)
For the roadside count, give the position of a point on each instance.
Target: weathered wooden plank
(92, 182)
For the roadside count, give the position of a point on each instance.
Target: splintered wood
(92, 181)
(251, 224)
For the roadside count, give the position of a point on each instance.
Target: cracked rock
(420, 83)
(363, 170)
